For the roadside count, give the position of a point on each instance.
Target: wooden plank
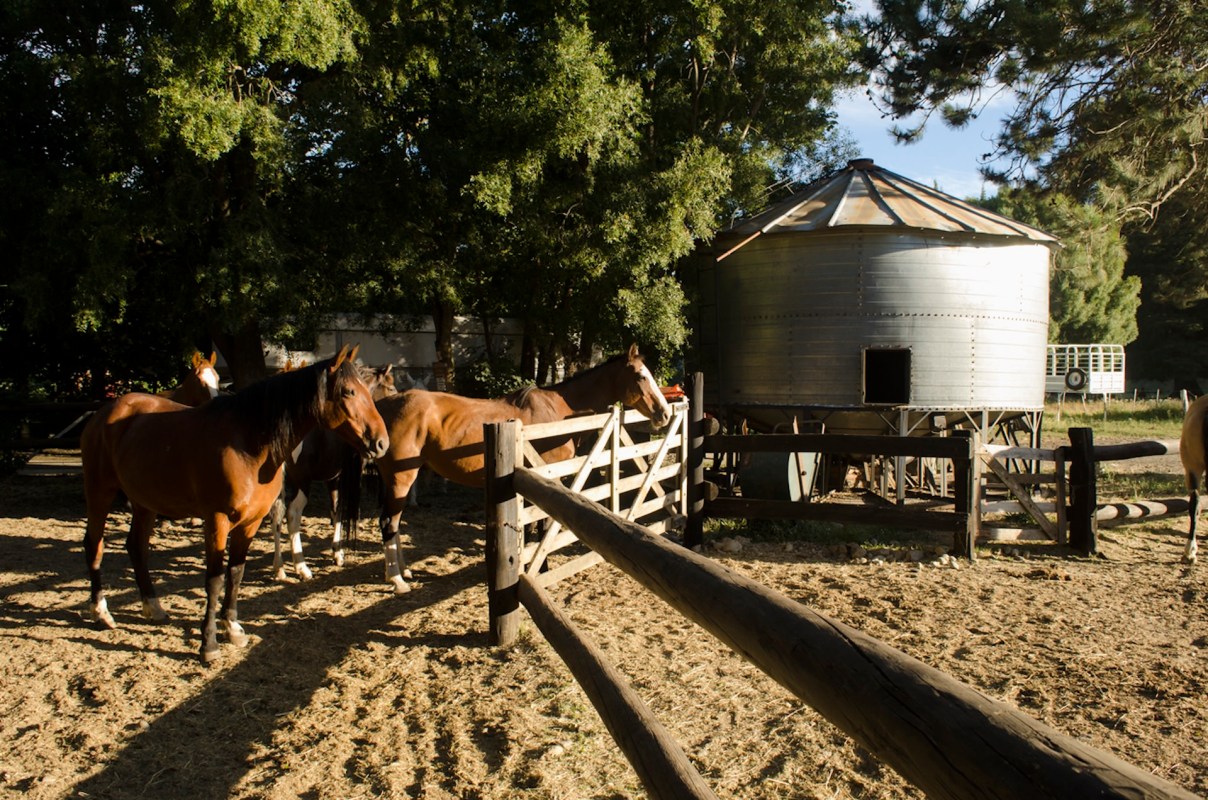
(661, 765)
(1129, 450)
(563, 571)
(919, 446)
(1007, 452)
(1024, 499)
(995, 534)
(891, 517)
(945, 737)
(694, 536)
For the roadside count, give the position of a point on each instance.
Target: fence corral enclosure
(946, 738)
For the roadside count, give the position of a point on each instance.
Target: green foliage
(489, 378)
(178, 174)
(1110, 96)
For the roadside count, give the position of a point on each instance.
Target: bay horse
(222, 462)
(321, 457)
(1192, 448)
(200, 385)
(444, 432)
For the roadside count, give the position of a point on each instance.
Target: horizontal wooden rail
(918, 446)
(945, 737)
(892, 516)
(657, 758)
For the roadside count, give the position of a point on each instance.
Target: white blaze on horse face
(209, 379)
(661, 413)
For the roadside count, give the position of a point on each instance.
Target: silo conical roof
(866, 195)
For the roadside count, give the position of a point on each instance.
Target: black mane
(273, 409)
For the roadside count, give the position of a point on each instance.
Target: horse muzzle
(660, 418)
(375, 446)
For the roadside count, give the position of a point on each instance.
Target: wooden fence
(961, 448)
(945, 737)
(1075, 508)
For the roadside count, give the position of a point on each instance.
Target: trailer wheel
(1075, 380)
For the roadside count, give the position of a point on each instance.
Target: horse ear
(633, 351)
(389, 367)
(213, 357)
(196, 359)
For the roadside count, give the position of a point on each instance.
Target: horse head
(349, 409)
(206, 372)
(641, 391)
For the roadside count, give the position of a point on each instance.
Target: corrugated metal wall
(785, 319)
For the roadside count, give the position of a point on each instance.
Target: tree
(231, 171)
(164, 216)
(565, 169)
(1110, 96)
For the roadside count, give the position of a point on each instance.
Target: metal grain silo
(878, 305)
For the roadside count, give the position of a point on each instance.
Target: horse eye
(348, 391)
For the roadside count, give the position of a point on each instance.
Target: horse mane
(275, 407)
(597, 368)
(522, 396)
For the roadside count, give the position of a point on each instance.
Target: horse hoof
(400, 586)
(339, 558)
(153, 611)
(100, 613)
(304, 573)
(209, 655)
(279, 575)
(236, 634)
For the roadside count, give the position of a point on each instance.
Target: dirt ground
(348, 691)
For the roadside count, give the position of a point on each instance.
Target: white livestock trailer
(1084, 369)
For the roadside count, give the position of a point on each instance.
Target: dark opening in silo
(887, 376)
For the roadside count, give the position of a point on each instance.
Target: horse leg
(138, 545)
(241, 539)
(293, 518)
(94, 550)
(1193, 512)
(276, 518)
(216, 530)
(395, 490)
(337, 527)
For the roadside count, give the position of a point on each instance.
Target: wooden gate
(639, 476)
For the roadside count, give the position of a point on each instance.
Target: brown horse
(200, 385)
(444, 432)
(221, 462)
(322, 457)
(1192, 448)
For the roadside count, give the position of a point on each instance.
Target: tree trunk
(244, 353)
(442, 319)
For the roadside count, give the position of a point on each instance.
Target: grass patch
(1119, 419)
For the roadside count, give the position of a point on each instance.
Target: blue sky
(943, 157)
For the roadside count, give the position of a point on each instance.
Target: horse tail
(352, 466)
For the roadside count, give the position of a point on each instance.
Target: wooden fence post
(694, 530)
(504, 535)
(1084, 492)
(967, 485)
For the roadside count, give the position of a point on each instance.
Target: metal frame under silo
(1014, 427)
